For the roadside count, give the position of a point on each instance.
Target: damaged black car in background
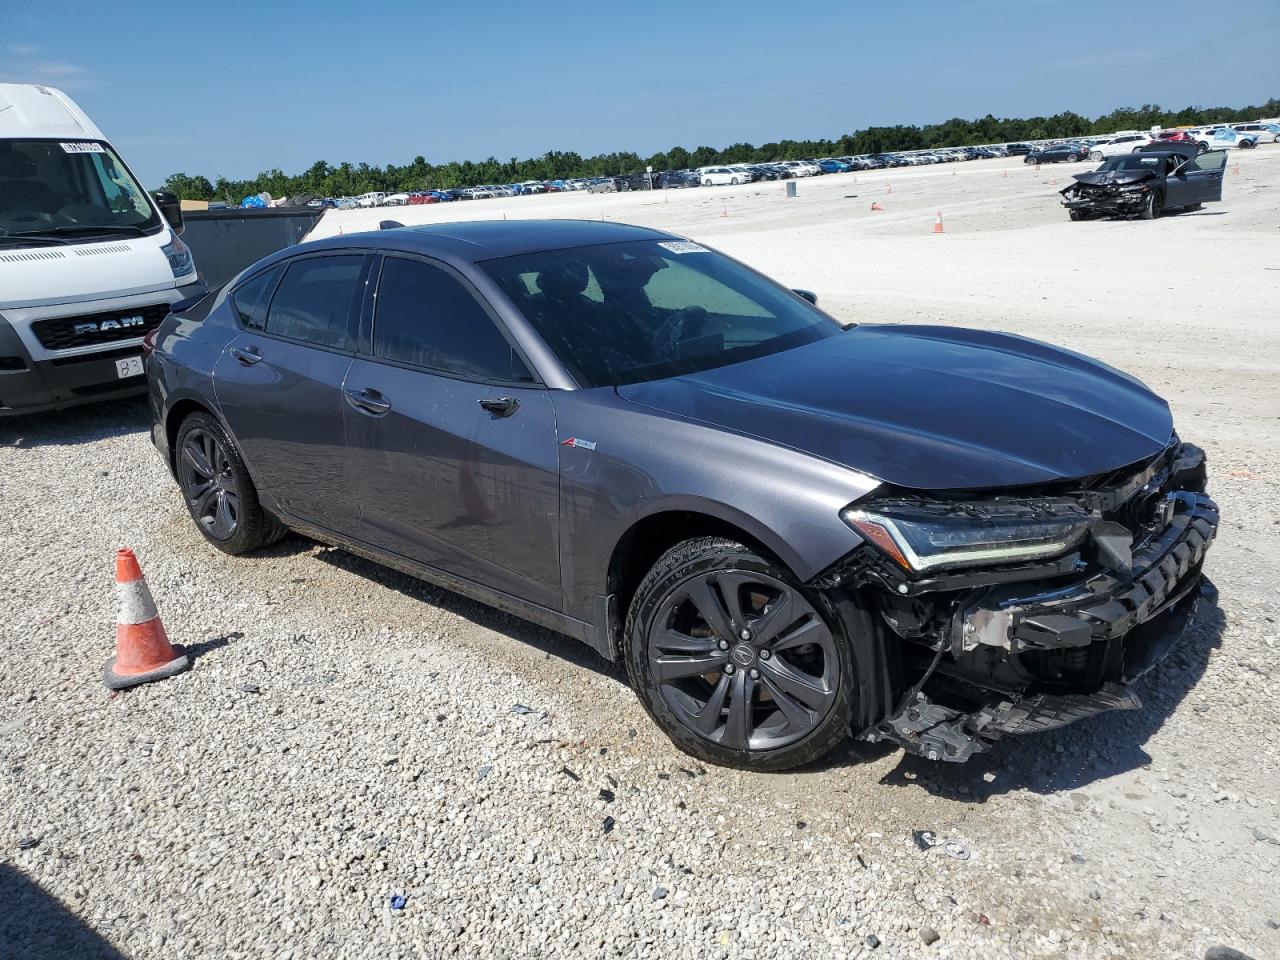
(1161, 176)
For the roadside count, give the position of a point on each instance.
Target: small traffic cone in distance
(875, 206)
(1004, 173)
(143, 651)
(888, 188)
(724, 211)
(937, 224)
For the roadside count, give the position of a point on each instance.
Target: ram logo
(123, 323)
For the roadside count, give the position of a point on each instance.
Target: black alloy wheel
(734, 660)
(1154, 206)
(217, 489)
(209, 484)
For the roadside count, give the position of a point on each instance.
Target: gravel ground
(349, 735)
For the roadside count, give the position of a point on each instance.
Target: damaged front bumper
(1019, 657)
(1111, 200)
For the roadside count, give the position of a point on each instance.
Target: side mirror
(808, 295)
(171, 209)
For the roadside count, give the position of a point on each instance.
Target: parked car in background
(1118, 146)
(1160, 177)
(1265, 132)
(673, 179)
(719, 176)
(1226, 138)
(1061, 153)
(895, 549)
(90, 263)
(1017, 149)
(373, 199)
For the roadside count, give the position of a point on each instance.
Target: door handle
(501, 406)
(368, 401)
(247, 357)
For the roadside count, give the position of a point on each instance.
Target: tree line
(348, 179)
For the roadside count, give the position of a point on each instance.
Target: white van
(89, 262)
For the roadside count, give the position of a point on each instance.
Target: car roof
(479, 240)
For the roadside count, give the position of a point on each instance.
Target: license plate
(128, 367)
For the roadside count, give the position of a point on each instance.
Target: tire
(1201, 148)
(1076, 215)
(1154, 206)
(1247, 144)
(1073, 158)
(217, 489)
(774, 700)
(733, 181)
(706, 182)
(1095, 155)
(1028, 159)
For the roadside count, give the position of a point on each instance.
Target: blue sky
(247, 86)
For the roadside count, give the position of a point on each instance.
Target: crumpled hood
(931, 408)
(1101, 178)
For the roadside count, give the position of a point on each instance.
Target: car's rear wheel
(1201, 148)
(735, 661)
(1246, 144)
(217, 489)
(1154, 206)
(1073, 158)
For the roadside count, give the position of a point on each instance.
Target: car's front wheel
(1095, 155)
(1154, 206)
(219, 494)
(735, 661)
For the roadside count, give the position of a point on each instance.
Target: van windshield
(52, 191)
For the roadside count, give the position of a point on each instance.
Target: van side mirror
(808, 295)
(171, 209)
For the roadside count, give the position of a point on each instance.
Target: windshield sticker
(682, 246)
(82, 146)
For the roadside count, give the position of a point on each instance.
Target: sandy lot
(347, 733)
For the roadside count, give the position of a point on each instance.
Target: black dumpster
(226, 241)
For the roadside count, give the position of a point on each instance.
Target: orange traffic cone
(937, 224)
(1004, 173)
(1037, 168)
(143, 652)
(876, 206)
(724, 212)
(888, 188)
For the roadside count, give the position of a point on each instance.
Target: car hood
(1101, 178)
(930, 408)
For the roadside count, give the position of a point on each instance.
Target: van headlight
(179, 255)
(923, 535)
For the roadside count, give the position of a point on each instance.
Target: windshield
(1137, 161)
(50, 188)
(627, 312)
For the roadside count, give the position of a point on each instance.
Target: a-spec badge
(575, 442)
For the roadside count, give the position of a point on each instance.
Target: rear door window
(314, 300)
(426, 317)
(250, 299)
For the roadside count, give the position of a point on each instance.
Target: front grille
(92, 329)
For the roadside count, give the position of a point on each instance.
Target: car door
(1205, 173)
(279, 383)
(451, 442)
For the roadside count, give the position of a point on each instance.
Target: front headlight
(921, 536)
(179, 255)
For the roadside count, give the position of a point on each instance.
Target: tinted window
(313, 301)
(250, 299)
(1213, 160)
(426, 317)
(626, 312)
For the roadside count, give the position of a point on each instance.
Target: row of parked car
(1241, 135)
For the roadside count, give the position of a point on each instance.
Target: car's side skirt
(535, 613)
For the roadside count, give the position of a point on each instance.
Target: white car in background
(1265, 132)
(1225, 138)
(1118, 146)
(374, 199)
(718, 176)
(395, 200)
(746, 174)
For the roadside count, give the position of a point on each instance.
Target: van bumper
(29, 386)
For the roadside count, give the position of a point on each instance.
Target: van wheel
(217, 489)
(735, 660)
